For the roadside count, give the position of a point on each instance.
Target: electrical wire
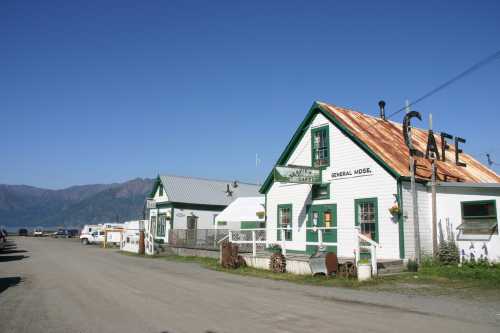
(463, 74)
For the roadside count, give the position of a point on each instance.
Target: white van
(38, 232)
(92, 233)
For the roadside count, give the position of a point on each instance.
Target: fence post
(283, 243)
(320, 237)
(254, 245)
(374, 260)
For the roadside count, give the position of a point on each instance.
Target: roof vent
(381, 105)
(229, 193)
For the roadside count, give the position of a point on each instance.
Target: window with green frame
(478, 217)
(161, 226)
(320, 191)
(366, 217)
(160, 191)
(285, 221)
(320, 146)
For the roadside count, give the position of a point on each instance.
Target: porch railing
(258, 239)
(196, 238)
(363, 242)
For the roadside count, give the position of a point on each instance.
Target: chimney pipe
(381, 105)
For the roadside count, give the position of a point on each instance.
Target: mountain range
(28, 206)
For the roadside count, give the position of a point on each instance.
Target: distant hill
(28, 206)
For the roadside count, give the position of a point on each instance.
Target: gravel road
(58, 285)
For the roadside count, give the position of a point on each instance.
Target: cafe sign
(297, 174)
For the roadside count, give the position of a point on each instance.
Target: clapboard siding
(344, 155)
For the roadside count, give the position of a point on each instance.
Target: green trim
(325, 128)
(184, 205)
(356, 215)
(315, 188)
(288, 234)
(161, 224)
(165, 204)
(479, 202)
(299, 133)
(155, 186)
(401, 221)
(172, 212)
(251, 224)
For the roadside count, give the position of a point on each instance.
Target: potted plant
(364, 270)
(274, 248)
(394, 210)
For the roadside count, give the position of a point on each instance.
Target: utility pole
(433, 187)
(416, 228)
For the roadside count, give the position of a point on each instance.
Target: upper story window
(478, 217)
(320, 147)
(320, 191)
(161, 191)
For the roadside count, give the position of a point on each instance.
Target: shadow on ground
(7, 282)
(12, 258)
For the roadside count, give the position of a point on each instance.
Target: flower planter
(364, 272)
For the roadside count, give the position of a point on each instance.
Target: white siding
(344, 154)
(424, 216)
(160, 198)
(205, 218)
(448, 204)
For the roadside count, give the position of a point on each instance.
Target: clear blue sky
(104, 91)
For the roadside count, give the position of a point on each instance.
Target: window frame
(161, 225)
(288, 233)
(315, 188)
(315, 130)
(357, 202)
(471, 220)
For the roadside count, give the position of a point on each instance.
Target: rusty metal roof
(385, 139)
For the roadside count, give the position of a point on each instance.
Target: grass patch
(429, 280)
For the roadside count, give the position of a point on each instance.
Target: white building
(243, 213)
(130, 236)
(188, 203)
(343, 170)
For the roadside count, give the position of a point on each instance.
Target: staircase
(390, 267)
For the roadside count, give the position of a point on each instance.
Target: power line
(466, 72)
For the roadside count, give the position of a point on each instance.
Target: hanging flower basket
(395, 211)
(261, 215)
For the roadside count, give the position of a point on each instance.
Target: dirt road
(61, 286)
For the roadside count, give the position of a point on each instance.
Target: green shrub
(412, 265)
(448, 253)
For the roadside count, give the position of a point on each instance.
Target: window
(478, 217)
(366, 217)
(285, 221)
(161, 191)
(320, 147)
(321, 191)
(153, 223)
(192, 221)
(160, 228)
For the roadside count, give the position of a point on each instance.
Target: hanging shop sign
(432, 147)
(150, 204)
(297, 174)
(352, 173)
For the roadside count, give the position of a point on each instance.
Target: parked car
(23, 232)
(38, 232)
(60, 233)
(73, 233)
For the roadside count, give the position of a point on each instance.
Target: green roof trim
(155, 186)
(301, 130)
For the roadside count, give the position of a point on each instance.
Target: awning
(477, 226)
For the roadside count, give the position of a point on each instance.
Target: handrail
(223, 239)
(369, 240)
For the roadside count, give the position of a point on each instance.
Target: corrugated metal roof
(385, 139)
(205, 191)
